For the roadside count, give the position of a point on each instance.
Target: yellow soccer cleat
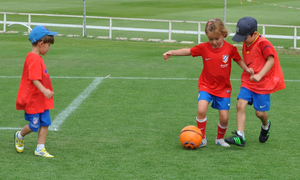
(19, 144)
(42, 153)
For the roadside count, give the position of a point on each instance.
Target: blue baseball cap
(39, 32)
(244, 27)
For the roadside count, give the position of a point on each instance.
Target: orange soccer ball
(190, 137)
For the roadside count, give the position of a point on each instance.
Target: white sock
(19, 136)
(265, 127)
(241, 134)
(39, 147)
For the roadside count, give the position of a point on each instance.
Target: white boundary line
(272, 4)
(74, 105)
(97, 80)
(133, 78)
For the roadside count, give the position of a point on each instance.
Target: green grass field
(128, 127)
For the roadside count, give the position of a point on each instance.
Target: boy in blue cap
(35, 95)
(259, 55)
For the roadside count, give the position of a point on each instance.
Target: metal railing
(111, 28)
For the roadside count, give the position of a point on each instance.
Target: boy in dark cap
(260, 55)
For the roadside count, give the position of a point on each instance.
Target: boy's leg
(262, 103)
(19, 138)
(266, 125)
(241, 115)
(42, 135)
(26, 130)
(239, 138)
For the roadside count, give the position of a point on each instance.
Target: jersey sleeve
(267, 49)
(235, 54)
(34, 69)
(196, 51)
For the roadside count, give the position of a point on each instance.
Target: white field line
(74, 105)
(97, 80)
(134, 78)
(272, 4)
(10, 128)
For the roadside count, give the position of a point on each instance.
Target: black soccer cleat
(264, 134)
(236, 140)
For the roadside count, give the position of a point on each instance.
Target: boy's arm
(243, 65)
(178, 52)
(269, 64)
(47, 92)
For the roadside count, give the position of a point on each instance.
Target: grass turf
(129, 128)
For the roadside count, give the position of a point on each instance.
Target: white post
(29, 23)
(84, 20)
(199, 32)
(110, 28)
(4, 22)
(295, 37)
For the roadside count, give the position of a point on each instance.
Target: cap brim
(50, 33)
(239, 38)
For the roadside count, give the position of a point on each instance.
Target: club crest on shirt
(225, 58)
(35, 120)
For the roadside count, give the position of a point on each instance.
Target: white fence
(110, 28)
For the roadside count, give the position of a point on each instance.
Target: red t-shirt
(255, 57)
(215, 76)
(30, 98)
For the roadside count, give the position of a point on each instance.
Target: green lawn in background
(129, 126)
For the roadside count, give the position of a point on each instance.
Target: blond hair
(216, 26)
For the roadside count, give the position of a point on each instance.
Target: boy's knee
(260, 114)
(240, 106)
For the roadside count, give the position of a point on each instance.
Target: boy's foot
(19, 144)
(236, 140)
(264, 134)
(221, 142)
(42, 153)
(203, 143)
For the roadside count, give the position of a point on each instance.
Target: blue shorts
(38, 120)
(261, 102)
(218, 102)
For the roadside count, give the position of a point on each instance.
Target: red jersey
(255, 57)
(30, 98)
(215, 76)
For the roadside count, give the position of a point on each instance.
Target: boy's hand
(167, 55)
(48, 93)
(255, 77)
(250, 71)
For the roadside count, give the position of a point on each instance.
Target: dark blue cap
(39, 32)
(244, 27)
